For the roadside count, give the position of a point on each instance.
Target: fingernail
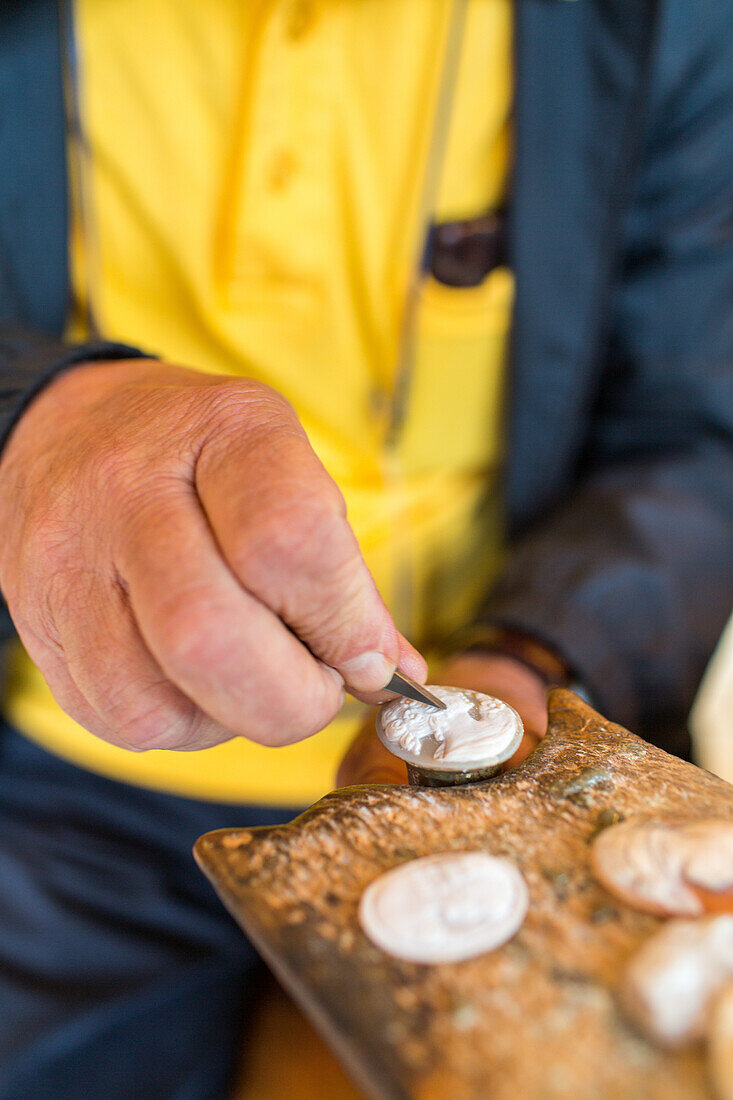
(369, 672)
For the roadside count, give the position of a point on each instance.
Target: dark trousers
(122, 977)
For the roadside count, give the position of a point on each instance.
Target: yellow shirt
(259, 183)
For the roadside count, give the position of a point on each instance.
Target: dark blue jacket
(619, 473)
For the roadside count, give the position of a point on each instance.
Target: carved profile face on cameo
(667, 867)
(444, 908)
(474, 730)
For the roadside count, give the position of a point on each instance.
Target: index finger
(281, 524)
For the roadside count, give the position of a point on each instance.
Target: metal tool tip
(401, 684)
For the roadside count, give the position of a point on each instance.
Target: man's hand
(179, 565)
(367, 760)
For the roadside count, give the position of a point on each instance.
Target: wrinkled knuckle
(272, 404)
(248, 431)
(238, 405)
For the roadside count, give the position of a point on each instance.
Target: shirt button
(281, 169)
(300, 18)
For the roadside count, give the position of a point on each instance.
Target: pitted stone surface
(537, 1018)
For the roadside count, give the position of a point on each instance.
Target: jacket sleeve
(29, 360)
(631, 577)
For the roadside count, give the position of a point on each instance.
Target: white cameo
(671, 983)
(668, 868)
(474, 730)
(444, 908)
